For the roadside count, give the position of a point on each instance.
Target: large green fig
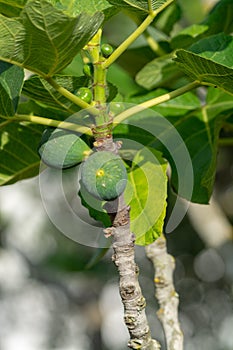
(103, 174)
(62, 149)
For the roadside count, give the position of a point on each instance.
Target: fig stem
(155, 101)
(50, 122)
(142, 27)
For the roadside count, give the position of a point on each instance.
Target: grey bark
(130, 291)
(164, 265)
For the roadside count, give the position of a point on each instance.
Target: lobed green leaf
(218, 103)
(35, 41)
(209, 61)
(189, 35)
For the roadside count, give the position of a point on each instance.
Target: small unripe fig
(88, 69)
(106, 50)
(85, 94)
(62, 149)
(103, 175)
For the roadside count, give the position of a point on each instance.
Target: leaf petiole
(155, 101)
(75, 99)
(226, 142)
(52, 122)
(150, 6)
(124, 46)
(142, 27)
(154, 45)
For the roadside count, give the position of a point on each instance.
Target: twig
(166, 295)
(130, 291)
(225, 141)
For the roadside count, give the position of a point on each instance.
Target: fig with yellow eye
(104, 175)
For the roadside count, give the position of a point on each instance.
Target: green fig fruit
(103, 174)
(106, 50)
(62, 149)
(85, 94)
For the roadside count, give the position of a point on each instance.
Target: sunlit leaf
(189, 35)
(146, 195)
(217, 103)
